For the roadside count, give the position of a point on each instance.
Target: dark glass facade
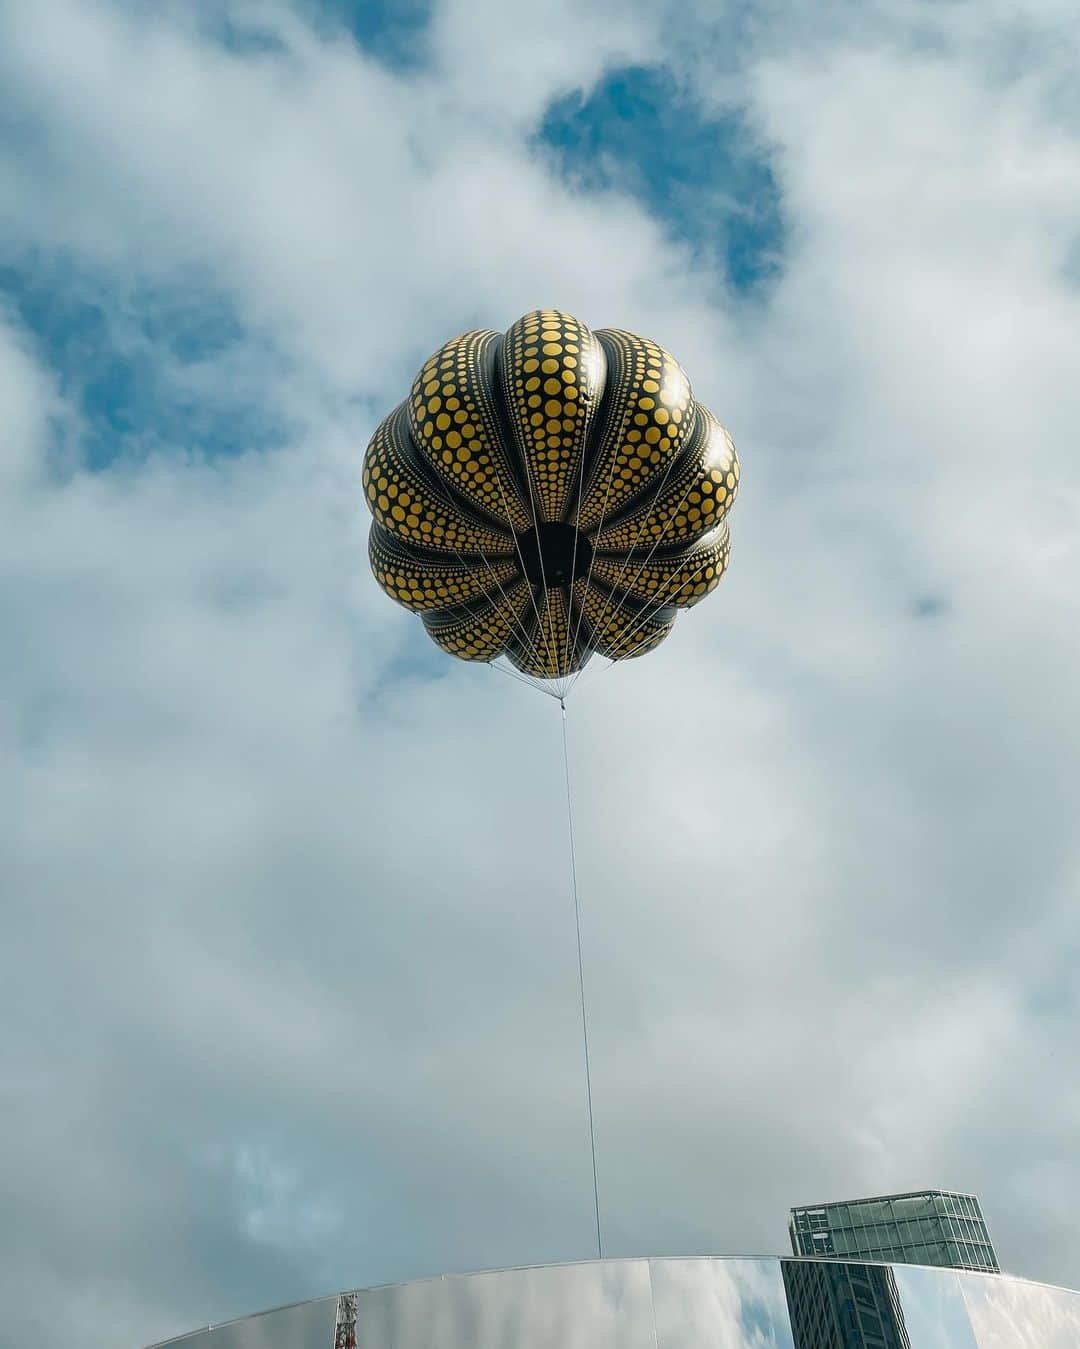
(930, 1227)
(703, 1303)
(834, 1305)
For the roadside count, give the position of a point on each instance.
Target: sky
(288, 984)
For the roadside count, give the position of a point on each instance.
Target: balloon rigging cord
(581, 979)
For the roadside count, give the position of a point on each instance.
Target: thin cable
(581, 980)
(514, 616)
(646, 614)
(554, 664)
(609, 607)
(530, 647)
(632, 548)
(511, 673)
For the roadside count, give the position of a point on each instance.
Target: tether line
(581, 981)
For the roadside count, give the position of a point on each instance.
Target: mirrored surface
(719, 1304)
(935, 1314)
(194, 1339)
(307, 1326)
(592, 1306)
(1012, 1314)
(704, 1303)
(832, 1302)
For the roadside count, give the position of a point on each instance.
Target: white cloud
(289, 898)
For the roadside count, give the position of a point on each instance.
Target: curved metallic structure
(699, 1303)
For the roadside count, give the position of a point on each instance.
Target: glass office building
(835, 1305)
(702, 1303)
(931, 1227)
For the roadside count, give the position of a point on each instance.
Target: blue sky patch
(393, 31)
(704, 175)
(146, 368)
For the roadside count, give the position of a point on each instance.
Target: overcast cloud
(288, 983)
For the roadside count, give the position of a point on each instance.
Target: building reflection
(834, 1305)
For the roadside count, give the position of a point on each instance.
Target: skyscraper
(841, 1306)
(930, 1227)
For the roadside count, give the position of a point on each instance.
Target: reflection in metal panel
(194, 1339)
(601, 1305)
(843, 1306)
(1013, 1314)
(719, 1304)
(704, 1303)
(304, 1325)
(934, 1310)
(307, 1326)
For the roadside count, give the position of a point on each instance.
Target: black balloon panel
(647, 415)
(689, 501)
(425, 582)
(455, 423)
(408, 502)
(552, 374)
(675, 579)
(484, 630)
(620, 627)
(551, 646)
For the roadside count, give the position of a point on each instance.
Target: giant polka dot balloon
(549, 493)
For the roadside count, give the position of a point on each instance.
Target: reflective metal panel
(935, 1314)
(706, 1303)
(590, 1306)
(843, 1304)
(719, 1304)
(195, 1339)
(307, 1326)
(1011, 1314)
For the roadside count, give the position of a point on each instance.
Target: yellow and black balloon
(549, 493)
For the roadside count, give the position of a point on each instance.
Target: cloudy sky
(288, 982)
